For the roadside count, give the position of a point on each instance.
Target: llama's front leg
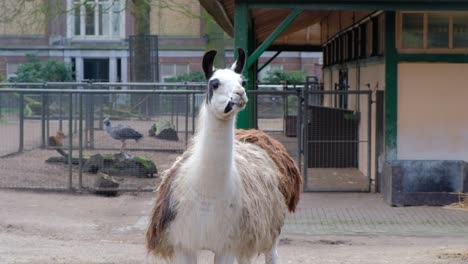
(185, 257)
(271, 257)
(244, 260)
(223, 259)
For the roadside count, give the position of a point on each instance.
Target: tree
(214, 37)
(279, 76)
(37, 70)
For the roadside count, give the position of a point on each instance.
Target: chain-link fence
(54, 136)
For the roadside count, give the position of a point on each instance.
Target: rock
(163, 130)
(121, 165)
(104, 182)
(75, 161)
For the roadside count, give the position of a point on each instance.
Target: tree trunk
(214, 36)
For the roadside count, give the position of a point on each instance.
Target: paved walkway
(367, 214)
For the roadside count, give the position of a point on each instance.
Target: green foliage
(279, 76)
(194, 76)
(43, 71)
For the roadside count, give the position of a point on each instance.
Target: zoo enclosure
(30, 115)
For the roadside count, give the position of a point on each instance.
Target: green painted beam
(309, 48)
(391, 87)
(273, 36)
(244, 38)
(448, 58)
(390, 5)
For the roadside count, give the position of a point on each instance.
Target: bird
(57, 142)
(122, 133)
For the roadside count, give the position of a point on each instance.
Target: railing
(323, 138)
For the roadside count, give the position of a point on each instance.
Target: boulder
(104, 182)
(121, 165)
(163, 130)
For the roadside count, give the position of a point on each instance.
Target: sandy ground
(82, 229)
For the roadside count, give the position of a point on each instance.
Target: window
(173, 70)
(363, 40)
(460, 31)
(96, 18)
(11, 70)
(437, 31)
(413, 27)
(375, 36)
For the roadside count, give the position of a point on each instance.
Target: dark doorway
(96, 70)
(343, 86)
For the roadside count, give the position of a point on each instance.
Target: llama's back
(290, 178)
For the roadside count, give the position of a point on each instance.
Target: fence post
(298, 128)
(70, 140)
(186, 118)
(80, 141)
(21, 123)
(193, 113)
(369, 139)
(60, 112)
(43, 109)
(305, 138)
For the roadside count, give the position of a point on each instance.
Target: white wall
(432, 111)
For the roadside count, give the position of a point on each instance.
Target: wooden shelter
(414, 51)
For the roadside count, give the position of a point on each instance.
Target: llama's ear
(208, 60)
(238, 65)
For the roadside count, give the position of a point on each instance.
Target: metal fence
(333, 147)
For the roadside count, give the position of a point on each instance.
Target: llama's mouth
(240, 103)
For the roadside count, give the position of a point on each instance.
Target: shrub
(36, 70)
(194, 76)
(279, 76)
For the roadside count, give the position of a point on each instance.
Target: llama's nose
(240, 92)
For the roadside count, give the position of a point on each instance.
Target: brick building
(94, 39)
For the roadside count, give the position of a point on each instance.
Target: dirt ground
(50, 228)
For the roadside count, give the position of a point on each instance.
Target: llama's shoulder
(164, 211)
(290, 179)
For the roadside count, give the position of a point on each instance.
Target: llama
(229, 192)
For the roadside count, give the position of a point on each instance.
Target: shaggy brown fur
(163, 213)
(290, 179)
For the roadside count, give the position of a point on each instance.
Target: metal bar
(80, 141)
(268, 61)
(172, 92)
(47, 134)
(299, 131)
(42, 119)
(186, 119)
(21, 123)
(369, 144)
(91, 121)
(60, 112)
(193, 114)
(70, 140)
(273, 36)
(76, 84)
(305, 139)
(363, 5)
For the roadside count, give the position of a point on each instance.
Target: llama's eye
(244, 83)
(214, 84)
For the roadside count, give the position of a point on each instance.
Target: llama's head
(226, 95)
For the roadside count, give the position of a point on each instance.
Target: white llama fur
(222, 195)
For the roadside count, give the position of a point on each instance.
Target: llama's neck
(213, 151)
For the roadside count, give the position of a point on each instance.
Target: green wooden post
(243, 36)
(391, 87)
